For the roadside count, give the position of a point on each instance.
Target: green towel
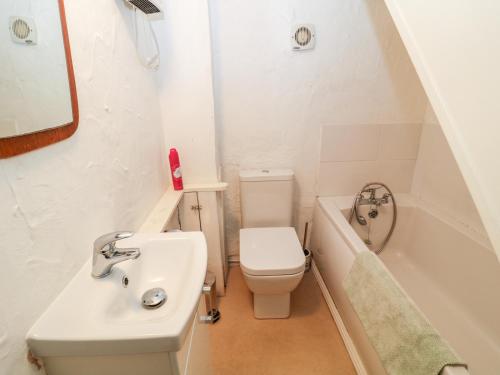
(405, 341)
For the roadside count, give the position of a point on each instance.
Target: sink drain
(154, 298)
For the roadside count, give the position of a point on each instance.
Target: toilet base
(271, 306)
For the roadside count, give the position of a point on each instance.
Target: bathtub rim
(345, 229)
(402, 200)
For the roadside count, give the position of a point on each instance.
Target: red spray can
(175, 168)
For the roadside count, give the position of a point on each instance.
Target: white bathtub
(451, 274)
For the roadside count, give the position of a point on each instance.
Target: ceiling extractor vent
(303, 37)
(23, 30)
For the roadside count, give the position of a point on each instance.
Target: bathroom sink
(106, 317)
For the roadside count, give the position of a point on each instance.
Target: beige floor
(306, 343)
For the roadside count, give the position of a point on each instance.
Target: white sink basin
(102, 317)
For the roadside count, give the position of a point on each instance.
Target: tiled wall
(352, 155)
(439, 183)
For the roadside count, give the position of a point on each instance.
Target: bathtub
(450, 272)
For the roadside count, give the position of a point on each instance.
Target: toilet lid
(270, 251)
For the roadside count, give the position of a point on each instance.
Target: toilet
(271, 257)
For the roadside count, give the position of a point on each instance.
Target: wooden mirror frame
(20, 144)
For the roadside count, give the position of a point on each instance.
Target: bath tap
(375, 203)
(372, 200)
(106, 255)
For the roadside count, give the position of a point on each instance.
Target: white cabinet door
(195, 356)
(200, 357)
(202, 211)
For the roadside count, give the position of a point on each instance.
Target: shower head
(146, 6)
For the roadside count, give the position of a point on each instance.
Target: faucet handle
(106, 242)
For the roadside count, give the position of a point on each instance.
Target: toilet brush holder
(307, 253)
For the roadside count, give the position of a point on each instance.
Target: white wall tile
(354, 155)
(344, 178)
(350, 142)
(438, 180)
(400, 141)
(396, 174)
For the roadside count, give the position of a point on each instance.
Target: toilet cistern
(106, 254)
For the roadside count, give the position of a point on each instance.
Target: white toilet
(271, 257)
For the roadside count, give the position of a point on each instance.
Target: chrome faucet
(106, 255)
(372, 199)
(368, 196)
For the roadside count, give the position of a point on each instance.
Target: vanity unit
(100, 326)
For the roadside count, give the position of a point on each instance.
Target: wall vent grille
(145, 6)
(303, 37)
(22, 30)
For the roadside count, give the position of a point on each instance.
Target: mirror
(37, 85)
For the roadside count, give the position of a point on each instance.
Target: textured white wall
(271, 101)
(439, 183)
(185, 88)
(57, 200)
(32, 99)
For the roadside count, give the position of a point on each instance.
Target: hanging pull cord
(152, 62)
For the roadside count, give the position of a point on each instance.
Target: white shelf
(162, 212)
(166, 206)
(218, 186)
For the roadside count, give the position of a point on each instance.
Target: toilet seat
(270, 252)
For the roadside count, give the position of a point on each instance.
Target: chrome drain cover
(154, 298)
